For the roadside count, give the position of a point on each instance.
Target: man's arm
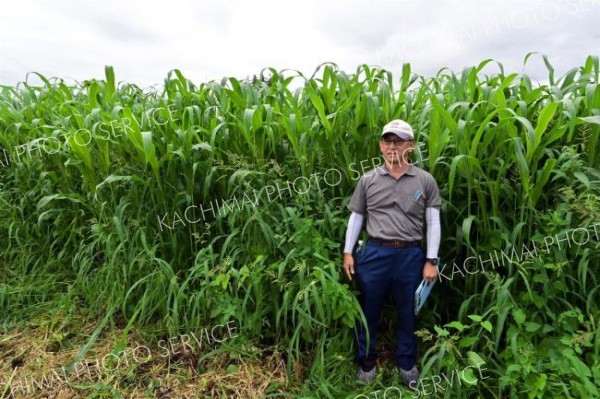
(434, 234)
(354, 225)
(434, 231)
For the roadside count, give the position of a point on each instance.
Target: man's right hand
(348, 265)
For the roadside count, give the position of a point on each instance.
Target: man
(397, 198)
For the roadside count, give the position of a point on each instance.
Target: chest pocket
(416, 203)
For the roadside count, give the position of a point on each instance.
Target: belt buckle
(397, 244)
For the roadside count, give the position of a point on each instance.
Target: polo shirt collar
(383, 170)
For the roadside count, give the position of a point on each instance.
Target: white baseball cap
(400, 128)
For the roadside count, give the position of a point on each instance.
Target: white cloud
(143, 40)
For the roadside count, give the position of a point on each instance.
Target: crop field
(186, 241)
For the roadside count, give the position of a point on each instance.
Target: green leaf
(474, 358)
(49, 198)
(519, 316)
(544, 119)
(539, 385)
(487, 325)
(591, 119)
(468, 376)
(441, 332)
(532, 326)
(110, 82)
(582, 178)
(516, 368)
(580, 368)
(456, 324)
(467, 341)
(547, 329)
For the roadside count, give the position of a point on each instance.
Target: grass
(39, 355)
(81, 244)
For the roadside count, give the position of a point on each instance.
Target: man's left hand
(429, 272)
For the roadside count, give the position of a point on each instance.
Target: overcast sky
(145, 39)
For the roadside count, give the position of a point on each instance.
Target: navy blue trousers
(380, 270)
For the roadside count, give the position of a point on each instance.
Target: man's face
(394, 149)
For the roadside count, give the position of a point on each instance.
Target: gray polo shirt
(395, 209)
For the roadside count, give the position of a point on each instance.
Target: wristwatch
(433, 261)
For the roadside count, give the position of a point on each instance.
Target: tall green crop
(116, 198)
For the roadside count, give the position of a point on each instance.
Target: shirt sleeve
(358, 202)
(433, 199)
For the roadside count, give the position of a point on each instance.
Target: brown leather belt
(394, 243)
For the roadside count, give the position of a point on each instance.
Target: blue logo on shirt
(417, 194)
